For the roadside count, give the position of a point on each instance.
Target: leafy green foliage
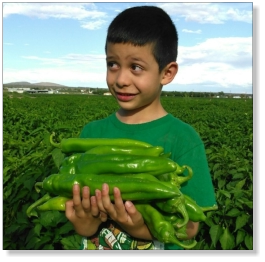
(225, 125)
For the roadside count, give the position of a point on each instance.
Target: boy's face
(133, 76)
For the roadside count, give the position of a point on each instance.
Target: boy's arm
(192, 229)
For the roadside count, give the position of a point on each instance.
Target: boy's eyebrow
(110, 57)
(138, 59)
(135, 59)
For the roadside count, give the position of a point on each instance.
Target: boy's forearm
(88, 230)
(192, 229)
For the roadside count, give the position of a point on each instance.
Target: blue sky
(64, 43)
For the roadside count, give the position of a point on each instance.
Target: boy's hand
(84, 213)
(125, 214)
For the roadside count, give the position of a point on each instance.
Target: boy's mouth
(125, 96)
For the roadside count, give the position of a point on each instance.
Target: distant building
(19, 90)
(46, 91)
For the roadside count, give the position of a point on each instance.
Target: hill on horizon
(32, 84)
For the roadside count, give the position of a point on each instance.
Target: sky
(64, 43)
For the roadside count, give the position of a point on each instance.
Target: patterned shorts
(112, 238)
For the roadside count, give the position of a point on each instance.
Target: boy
(141, 52)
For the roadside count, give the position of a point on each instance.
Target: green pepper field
(225, 125)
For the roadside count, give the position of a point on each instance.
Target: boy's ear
(169, 73)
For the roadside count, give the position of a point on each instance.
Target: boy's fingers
(119, 205)
(86, 198)
(94, 207)
(117, 198)
(69, 208)
(132, 212)
(77, 199)
(99, 200)
(105, 196)
(103, 217)
(69, 204)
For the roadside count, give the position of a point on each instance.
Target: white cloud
(93, 25)
(199, 12)
(56, 10)
(211, 13)
(236, 51)
(86, 13)
(224, 61)
(71, 70)
(45, 61)
(192, 31)
(90, 60)
(237, 15)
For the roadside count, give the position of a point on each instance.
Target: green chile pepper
(131, 188)
(209, 208)
(135, 164)
(55, 203)
(177, 178)
(91, 158)
(172, 218)
(134, 150)
(174, 205)
(195, 212)
(160, 228)
(58, 202)
(166, 155)
(175, 220)
(70, 169)
(69, 163)
(72, 159)
(150, 177)
(180, 232)
(31, 209)
(192, 210)
(115, 164)
(71, 145)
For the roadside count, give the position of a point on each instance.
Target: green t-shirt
(174, 136)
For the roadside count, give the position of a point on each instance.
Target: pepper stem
(186, 244)
(165, 155)
(181, 208)
(183, 179)
(52, 142)
(30, 211)
(212, 208)
(38, 186)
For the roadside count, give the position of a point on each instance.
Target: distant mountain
(23, 83)
(17, 84)
(46, 84)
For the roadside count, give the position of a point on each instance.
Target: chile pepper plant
(225, 125)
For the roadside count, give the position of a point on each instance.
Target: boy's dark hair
(143, 25)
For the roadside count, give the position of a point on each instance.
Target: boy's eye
(112, 65)
(136, 68)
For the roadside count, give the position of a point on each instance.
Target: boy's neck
(140, 116)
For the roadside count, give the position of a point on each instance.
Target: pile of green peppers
(144, 174)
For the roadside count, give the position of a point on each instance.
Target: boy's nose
(122, 79)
